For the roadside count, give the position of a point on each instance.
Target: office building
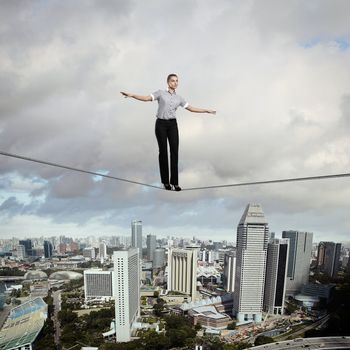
(276, 276)
(28, 247)
(89, 253)
(158, 258)
(136, 235)
(182, 271)
(126, 291)
(103, 251)
(328, 257)
(298, 270)
(151, 246)
(20, 251)
(229, 271)
(251, 251)
(98, 285)
(47, 249)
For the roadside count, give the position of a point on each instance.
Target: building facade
(229, 271)
(252, 240)
(98, 285)
(136, 235)
(328, 257)
(182, 271)
(48, 249)
(126, 291)
(158, 258)
(276, 276)
(103, 251)
(298, 269)
(151, 246)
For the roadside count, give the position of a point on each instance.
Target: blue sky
(277, 75)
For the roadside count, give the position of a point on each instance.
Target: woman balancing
(166, 128)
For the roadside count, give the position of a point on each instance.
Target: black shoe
(167, 187)
(177, 188)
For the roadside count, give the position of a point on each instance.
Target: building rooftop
(23, 324)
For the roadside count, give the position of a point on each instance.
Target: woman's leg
(173, 136)
(161, 134)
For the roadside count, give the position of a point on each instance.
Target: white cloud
(277, 78)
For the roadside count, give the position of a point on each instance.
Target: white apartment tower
(252, 239)
(298, 270)
(136, 235)
(182, 271)
(276, 276)
(127, 291)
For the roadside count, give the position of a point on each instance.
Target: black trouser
(166, 130)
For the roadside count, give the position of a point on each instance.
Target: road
(308, 343)
(306, 328)
(57, 307)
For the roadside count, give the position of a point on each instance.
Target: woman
(166, 128)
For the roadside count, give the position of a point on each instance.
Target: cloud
(278, 80)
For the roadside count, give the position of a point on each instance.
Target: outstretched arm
(200, 110)
(137, 97)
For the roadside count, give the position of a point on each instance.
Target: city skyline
(278, 81)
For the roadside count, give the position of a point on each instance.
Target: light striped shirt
(168, 103)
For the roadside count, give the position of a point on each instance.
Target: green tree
(263, 339)
(231, 325)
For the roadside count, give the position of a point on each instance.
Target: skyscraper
(127, 291)
(182, 271)
(27, 243)
(158, 258)
(276, 276)
(151, 246)
(136, 235)
(20, 251)
(102, 251)
(298, 270)
(328, 256)
(47, 249)
(252, 239)
(229, 271)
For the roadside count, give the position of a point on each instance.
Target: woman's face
(173, 83)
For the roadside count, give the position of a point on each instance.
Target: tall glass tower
(252, 240)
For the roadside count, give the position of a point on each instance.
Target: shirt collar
(167, 89)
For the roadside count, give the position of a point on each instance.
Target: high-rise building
(28, 246)
(20, 251)
(298, 270)
(98, 285)
(182, 271)
(151, 246)
(328, 257)
(47, 249)
(136, 235)
(158, 258)
(229, 271)
(102, 251)
(276, 276)
(127, 291)
(251, 251)
(89, 252)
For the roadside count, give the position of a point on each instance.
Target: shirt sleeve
(183, 103)
(155, 95)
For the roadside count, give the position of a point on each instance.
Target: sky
(276, 72)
